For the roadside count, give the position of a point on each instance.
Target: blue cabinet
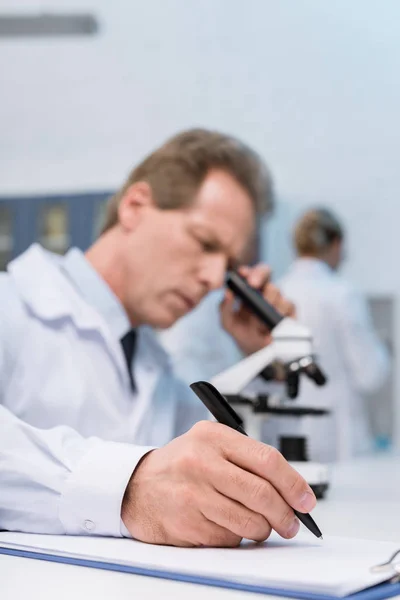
(57, 221)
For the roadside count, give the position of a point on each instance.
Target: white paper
(335, 566)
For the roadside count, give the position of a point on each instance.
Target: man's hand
(248, 331)
(212, 487)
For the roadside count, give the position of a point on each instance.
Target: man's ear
(137, 198)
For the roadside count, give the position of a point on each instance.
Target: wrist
(129, 501)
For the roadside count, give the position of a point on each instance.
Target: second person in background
(348, 349)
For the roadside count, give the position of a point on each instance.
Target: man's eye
(208, 246)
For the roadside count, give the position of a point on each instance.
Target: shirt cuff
(124, 530)
(91, 500)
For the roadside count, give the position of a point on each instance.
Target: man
(184, 215)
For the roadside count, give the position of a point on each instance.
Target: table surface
(363, 502)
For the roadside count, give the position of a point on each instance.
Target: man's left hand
(248, 331)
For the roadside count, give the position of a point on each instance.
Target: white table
(364, 502)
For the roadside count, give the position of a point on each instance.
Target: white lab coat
(60, 366)
(350, 353)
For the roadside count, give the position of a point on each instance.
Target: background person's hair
(176, 170)
(315, 232)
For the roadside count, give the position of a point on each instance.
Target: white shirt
(77, 430)
(348, 350)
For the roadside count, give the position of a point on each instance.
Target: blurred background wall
(313, 85)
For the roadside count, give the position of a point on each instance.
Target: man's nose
(213, 271)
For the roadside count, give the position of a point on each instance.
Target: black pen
(220, 408)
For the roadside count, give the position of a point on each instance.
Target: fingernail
(307, 501)
(293, 529)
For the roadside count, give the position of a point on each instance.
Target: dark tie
(128, 345)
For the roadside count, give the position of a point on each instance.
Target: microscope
(281, 365)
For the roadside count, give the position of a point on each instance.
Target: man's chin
(165, 321)
(165, 315)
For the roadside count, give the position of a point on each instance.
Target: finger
(282, 304)
(235, 517)
(227, 309)
(244, 270)
(228, 299)
(287, 308)
(208, 533)
(252, 322)
(256, 494)
(267, 339)
(258, 276)
(272, 294)
(231, 314)
(262, 460)
(269, 464)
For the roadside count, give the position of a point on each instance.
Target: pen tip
(321, 538)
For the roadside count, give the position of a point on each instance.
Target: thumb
(228, 301)
(226, 308)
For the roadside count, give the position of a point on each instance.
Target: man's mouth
(190, 303)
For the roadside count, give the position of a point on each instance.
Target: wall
(313, 85)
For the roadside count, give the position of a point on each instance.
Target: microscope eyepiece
(315, 373)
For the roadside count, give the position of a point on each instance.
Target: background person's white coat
(348, 350)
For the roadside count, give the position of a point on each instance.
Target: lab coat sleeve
(54, 481)
(366, 356)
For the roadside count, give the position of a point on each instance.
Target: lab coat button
(89, 525)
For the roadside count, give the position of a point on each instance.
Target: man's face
(182, 254)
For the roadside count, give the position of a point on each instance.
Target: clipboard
(384, 589)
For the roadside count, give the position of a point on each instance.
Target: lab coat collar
(96, 291)
(311, 266)
(50, 295)
(98, 294)
(47, 292)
